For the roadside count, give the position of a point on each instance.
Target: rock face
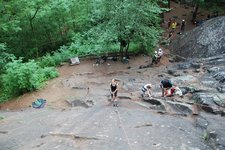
(204, 41)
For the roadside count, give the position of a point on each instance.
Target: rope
(124, 131)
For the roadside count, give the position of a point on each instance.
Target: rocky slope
(195, 121)
(206, 40)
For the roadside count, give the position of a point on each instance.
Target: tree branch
(35, 13)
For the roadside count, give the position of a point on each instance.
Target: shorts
(115, 94)
(143, 89)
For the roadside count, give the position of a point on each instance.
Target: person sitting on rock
(173, 91)
(114, 90)
(165, 84)
(146, 88)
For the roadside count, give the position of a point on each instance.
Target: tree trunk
(127, 47)
(32, 29)
(168, 3)
(121, 50)
(195, 13)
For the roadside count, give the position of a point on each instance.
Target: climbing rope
(124, 131)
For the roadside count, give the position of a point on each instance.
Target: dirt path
(97, 78)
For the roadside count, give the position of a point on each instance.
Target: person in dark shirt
(165, 84)
(182, 28)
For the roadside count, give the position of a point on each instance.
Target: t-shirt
(166, 83)
(113, 87)
(160, 53)
(174, 25)
(145, 87)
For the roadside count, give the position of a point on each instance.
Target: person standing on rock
(146, 88)
(182, 27)
(169, 23)
(165, 84)
(114, 90)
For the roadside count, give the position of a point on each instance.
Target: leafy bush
(4, 56)
(22, 77)
(54, 60)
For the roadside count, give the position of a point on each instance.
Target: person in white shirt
(146, 88)
(160, 54)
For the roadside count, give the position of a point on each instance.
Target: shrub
(22, 77)
(54, 60)
(4, 56)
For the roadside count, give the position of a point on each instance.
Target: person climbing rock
(160, 54)
(146, 88)
(114, 89)
(182, 27)
(155, 58)
(165, 84)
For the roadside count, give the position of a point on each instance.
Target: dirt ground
(181, 12)
(57, 91)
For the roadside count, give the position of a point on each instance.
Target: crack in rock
(70, 136)
(144, 125)
(3, 132)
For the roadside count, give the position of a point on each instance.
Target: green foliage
(54, 60)
(205, 136)
(115, 21)
(2, 117)
(213, 6)
(22, 77)
(34, 28)
(4, 56)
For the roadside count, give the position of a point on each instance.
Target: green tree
(34, 28)
(122, 22)
(215, 6)
(20, 77)
(4, 57)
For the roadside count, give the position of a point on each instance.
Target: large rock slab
(157, 104)
(221, 88)
(214, 134)
(82, 102)
(180, 108)
(204, 41)
(206, 102)
(220, 76)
